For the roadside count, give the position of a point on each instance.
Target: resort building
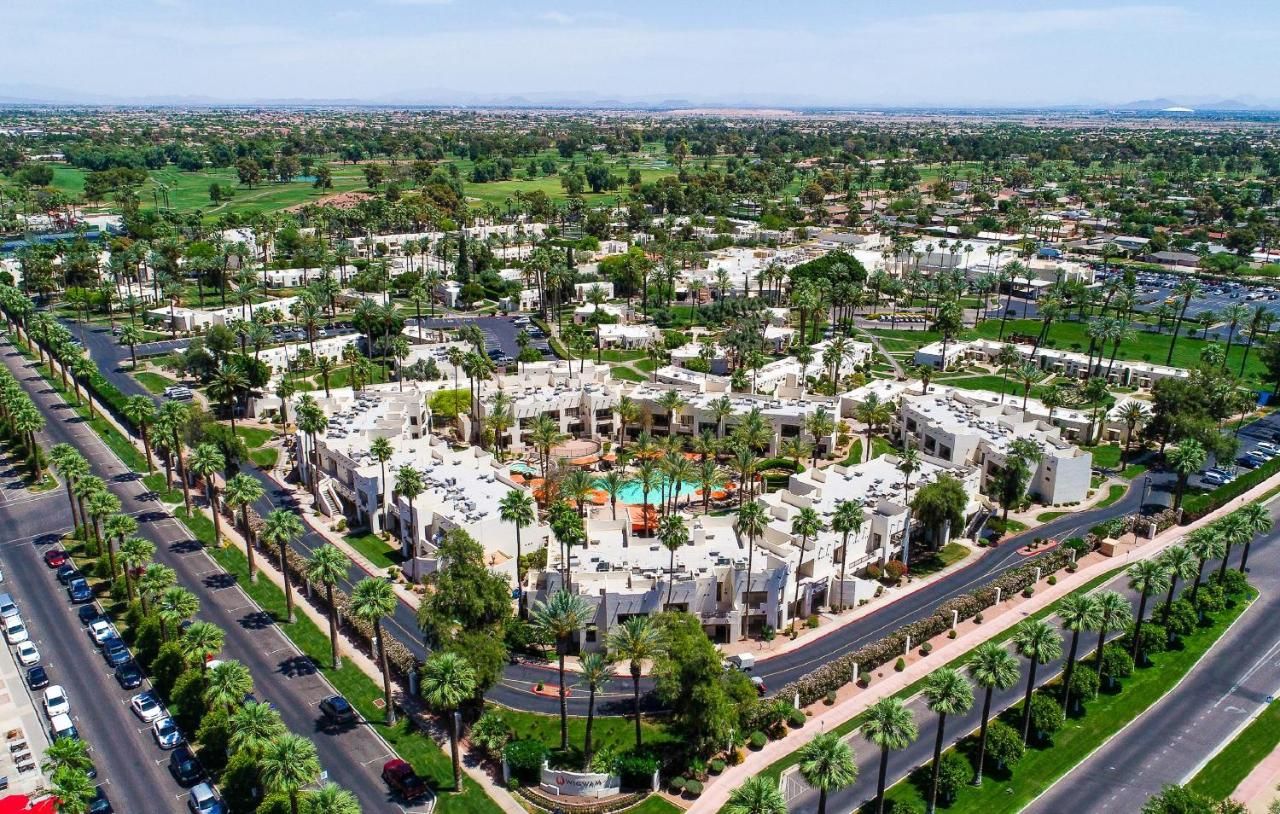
(189, 320)
(1121, 372)
(583, 402)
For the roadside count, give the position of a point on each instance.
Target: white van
(743, 661)
(60, 726)
(7, 606)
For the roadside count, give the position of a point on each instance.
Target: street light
(1146, 491)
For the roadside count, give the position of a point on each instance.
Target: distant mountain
(1199, 103)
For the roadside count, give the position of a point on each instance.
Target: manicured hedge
(1196, 506)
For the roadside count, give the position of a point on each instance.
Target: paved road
(282, 674)
(129, 765)
(1171, 740)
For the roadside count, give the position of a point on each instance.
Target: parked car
(55, 558)
(129, 675)
(202, 800)
(78, 591)
(1249, 463)
(28, 654)
(7, 606)
(403, 780)
(61, 726)
(101, 630)
(1214, 479)
(37, 678)
(56, 701)
(66, 573)
(336, 709)
(184, 767)
(100, 804)
(758, 683)
(146, 706)
(88, 614)
(114, 652)
(166, 733)
(1269, 448)
(15, 632)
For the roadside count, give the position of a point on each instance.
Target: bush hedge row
(1196, 506)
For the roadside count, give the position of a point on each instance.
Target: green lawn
(377, 551)
(950, 554)
(855, 453)
(655, 805)
(1105, 456)
(1221, 775)
(155, 482)
(1114, 493)
(255, 436)
(1102, 718)
(607, 732)
(153, 381)
(1047, 516)
(626, 374)
(264, 458)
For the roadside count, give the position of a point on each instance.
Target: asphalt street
(1171, 740)
(288, 679)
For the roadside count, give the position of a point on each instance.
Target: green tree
(288, 764)
(806, 525)
(1146, 577)
(558, 620)
(373, 600)
(1186, 459)
(826, 764)
(331, 799)
(241, 492)
(1078, 612)
(73, 790)
(1115, 613)
(993, 668)
(758, 794)
(227, 685)
(595, 671)
(1038, 643)
(447, 682)
(636, 640)
(282, 528)
(327, 567)
(947, 693)
(889, 725)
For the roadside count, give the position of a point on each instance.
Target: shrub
(525, 759)
(513, 784)
(951, 634)
(635, 770)
(977, 619)
(1028, 592)
(830, 698)
(676, 784)
(1181, 618)
(1052, 580)
(864, 678)
(926, 648)
(1084, 685)
(811, 622)
(757, 740)
(894, 570)
(717, 766)
(693, 788)
(900, 664)
(1210, 599)
(903, 807)
(1046, 716)
(954, 771)
(491, 733)
(1234, 584)
(796, 718)
(1004, 745)
(1116, 664)
(873, 571)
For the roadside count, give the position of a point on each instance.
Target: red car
(403, 780)
(55, 558)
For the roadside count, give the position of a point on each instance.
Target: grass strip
(1223, 774)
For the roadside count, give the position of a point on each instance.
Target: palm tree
(141, 412)
(135, 553)
(117, 528)
(1078, 612)
(947, 693)
(847, 520)
(1206, 544)
(1038, 643)
(331, 799)
(1028, 374)
(448, 680)
(1146, 577)
(207, 461)
(328, 567)
(1254, 519)
(517, 508)
(674, 535)
(908, 463)
(227, 684)
(73, 790)
(758, 794)
(174, 606)
(201, 642)
(636, 641)
(874, 413)
(1187, 288)
(154, 581)
(69, 753)
(559, 619)
(409, 485)
(750, 523)
(253, 726)
(890, 726)
(1131, 413)
(826, 764)
(381, 451)
(287, 765)
(242, 491)
(372, 600)
(807, 524)
(614, 483)
(648, 477)
(595, 671)
(993, 668)
(281, 528)
(173, 418)
(1185, 459)
(1115, 613)
(1180, 562)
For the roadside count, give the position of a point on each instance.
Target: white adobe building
(188, 320)
(1126, 373)
(582, 402)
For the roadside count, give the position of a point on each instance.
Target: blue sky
(809, 51)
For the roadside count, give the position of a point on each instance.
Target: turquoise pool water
(632, 493)
(523, 468)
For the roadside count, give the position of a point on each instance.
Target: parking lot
(499, 333)
(1156, 288)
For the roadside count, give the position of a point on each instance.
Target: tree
(253, 726)
(889, 725)
(595, 671)
(1182, 800)
(1078, 612)
(758, 794)
(1014, 477)
(327, 567)
(73, 790)
(175, 606)
(559, 619)
(1115, 613)
(993, 668)
(1254, 520)
(372, 600)
(68, 753)
(674, 535)
(227, 685)
(1186, 459)
(1132, 413)
(874, 413)
(707, 702)
(847, 520)
(826, 764)
(331, 798)
(242, 491)
(282, 528)
(287, 765)
(201, 642)
(381, 450)
(141, 413)
(1146, 577)
(1038, 643)
(207, 462)
(807, 524)
(940, 507)
(636, 641)
(947, 693)
(447, 682)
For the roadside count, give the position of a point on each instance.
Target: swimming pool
(522, 468)
(632, 493)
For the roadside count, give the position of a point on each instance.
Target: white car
(101, 630)
(15, 632)
(28, 654)
(56, 702)
(166, 733)
(146, 707)
(1269, 448)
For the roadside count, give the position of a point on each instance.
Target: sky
(805, 52)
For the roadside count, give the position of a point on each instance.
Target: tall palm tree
(806, 525)
(1254, 520)
(409, 485)
(614, 483)
(331, 799)
(1146, 577)
(517, 508)
(674, 536)
(201, 642)
(826, 764)
(1038, 643)
(73, 790)
(758, 794)
(242, 491)
(288, 764)
(154, 581)
(890, 726)
(141, 412)
(847, 520)
(282, 528)
(637, 640)
(135, 553)
(207, 461)
(328, 567)
(908, 463)
(648, 477)
(1078, 612)
(1186, 459)
(947, 692)
(253, 726)
(1206, 543)
(117, 528)
(559, 619)
(70, 753)
(172, 418)
(226, 686)
(1180, 562)
(381, 450)
(448, 680)
(174, 606)
(595, 671)
(1115, 612)
(750, 523)
(372, 600)
(993, 668)
(1187, 288)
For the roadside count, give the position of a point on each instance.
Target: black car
(37, 677)
(100, 804)
(92, 771)
(115, 652)
(129, 675)
(88, 614)
(78, 591)
(184, 767)
(67, 572)
(336, 709)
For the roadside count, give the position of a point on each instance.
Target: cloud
(558, 17)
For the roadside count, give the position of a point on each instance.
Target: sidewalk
(1258, 789)
(852, 701)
